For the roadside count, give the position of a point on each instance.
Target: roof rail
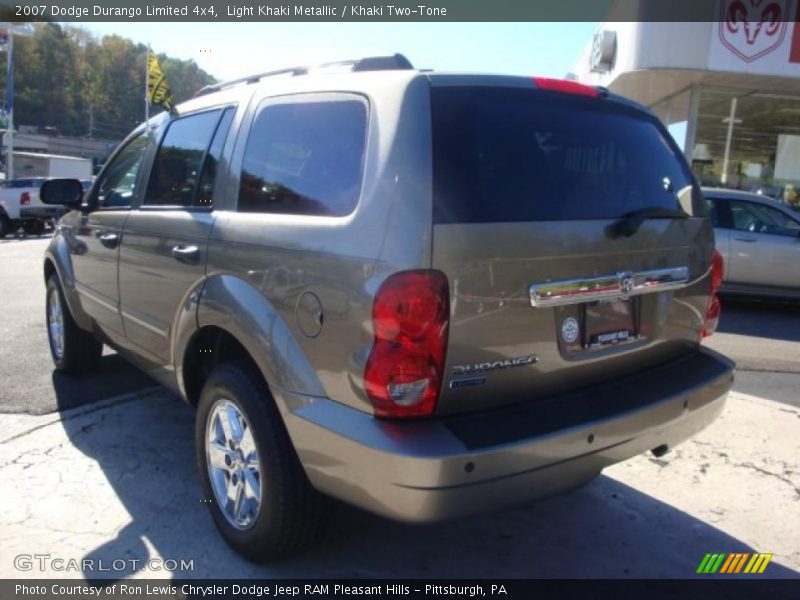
(396, 62)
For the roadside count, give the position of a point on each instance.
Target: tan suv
(428, 295)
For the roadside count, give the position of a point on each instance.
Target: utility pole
(730, 120)
(147, 85)
(91, 121)
(12, 29)
(10, 104)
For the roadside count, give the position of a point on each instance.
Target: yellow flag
(157, 86)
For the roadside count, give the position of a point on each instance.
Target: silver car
(759, 240)
(427, 295)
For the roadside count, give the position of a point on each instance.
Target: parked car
(20, 207)
(426, 295)
(759, 240)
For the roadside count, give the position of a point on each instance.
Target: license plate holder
(609, 323)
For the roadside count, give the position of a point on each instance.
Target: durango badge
(483, 367)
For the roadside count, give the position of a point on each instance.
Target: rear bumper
(446, 468)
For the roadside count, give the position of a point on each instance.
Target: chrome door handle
(186, 254)
(109, 240)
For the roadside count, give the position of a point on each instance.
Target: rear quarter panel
(340, 261)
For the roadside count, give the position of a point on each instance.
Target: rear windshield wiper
(629, 223)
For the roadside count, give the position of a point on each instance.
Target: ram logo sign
(751, 29)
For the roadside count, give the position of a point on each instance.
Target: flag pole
(147, 85)
(10, 106)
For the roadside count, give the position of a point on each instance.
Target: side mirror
(62, 192)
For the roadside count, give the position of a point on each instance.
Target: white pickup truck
(20, 207)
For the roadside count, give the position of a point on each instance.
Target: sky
(230, 50)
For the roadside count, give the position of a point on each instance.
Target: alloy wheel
(233, 464)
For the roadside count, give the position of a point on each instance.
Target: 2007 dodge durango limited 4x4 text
(425, 294)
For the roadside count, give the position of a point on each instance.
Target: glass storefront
(750, 141)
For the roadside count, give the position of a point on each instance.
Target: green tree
(68, 79)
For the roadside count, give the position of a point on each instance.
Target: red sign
(751, 29)
(794, 52)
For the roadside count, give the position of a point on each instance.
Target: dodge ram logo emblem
(752, 28)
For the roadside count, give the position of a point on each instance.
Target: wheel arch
(236, 322)
(208, 347)
(57, 262)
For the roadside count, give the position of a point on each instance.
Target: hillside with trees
(69, 79)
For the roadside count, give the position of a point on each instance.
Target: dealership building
(729, 91)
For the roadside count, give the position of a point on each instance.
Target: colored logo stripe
(734, 563)
(710, 563)
(758, 563)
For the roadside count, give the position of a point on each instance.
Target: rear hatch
(573, 236)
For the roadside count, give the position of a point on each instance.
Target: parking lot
(102, 468)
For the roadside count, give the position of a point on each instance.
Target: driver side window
(117, 185)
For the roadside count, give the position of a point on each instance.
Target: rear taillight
(565, 86)
(714, 308)
(410, 317)
(25, 198)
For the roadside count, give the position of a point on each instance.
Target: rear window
(506, 154)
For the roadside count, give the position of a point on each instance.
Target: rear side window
(176, 169)
(506, 154)
(305, 158)
(757, 218)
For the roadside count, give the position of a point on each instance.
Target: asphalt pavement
(29, 383)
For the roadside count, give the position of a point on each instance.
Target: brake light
(565, 86)
(25, 198)
(410, 317)
(714, 308)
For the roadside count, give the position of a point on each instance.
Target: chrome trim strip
(607, 287)
(144, 324)
(96, 299)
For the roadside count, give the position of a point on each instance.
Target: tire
(288, 513)
(73, 349)
(33, 227)
(5, 226)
